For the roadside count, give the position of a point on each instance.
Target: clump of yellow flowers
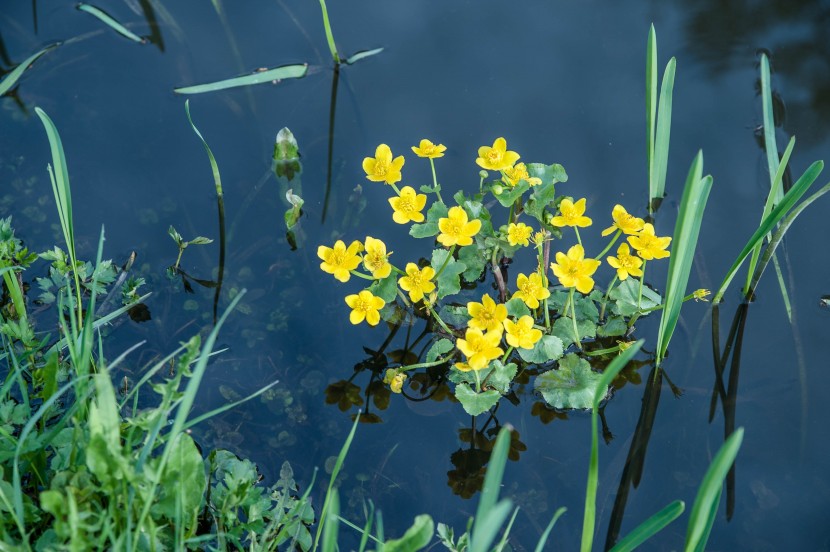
(553, 304)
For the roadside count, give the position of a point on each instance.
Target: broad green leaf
(415, 538)
(500, 376)
(448, 279)
(277, 74)
(454, 315)
(549, 174)
(625, 297)
(109, 21)
(572, 385)
(363, 54)
(386, 288)
(613, 327)
(438, 349)
(183, 482)
(475, 403)
(542, 196)
(430, 227)
(547, 349)
(11, 79)
(474, 259)
(564, 330)
(285, 146)
(509, 195)
(586, 307)
(516, 308)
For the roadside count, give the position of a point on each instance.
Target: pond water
(564, 83)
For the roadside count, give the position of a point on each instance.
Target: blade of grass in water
(663, 133)
(686, 231)
(490, 515)
(771, 220)
(357, 56)
(11, 79)
(540, 546)
(770, 144)
(708, 495)
(338, 465)
(296, 71)
(650, 527)
(651, 105)
(329, 35)
(590, 514)
(110, 22)
(331, 522)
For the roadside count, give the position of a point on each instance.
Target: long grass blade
(10, 80)
(331, 522)
(110, 22)
(338, 465)
(490, 494)
(589, 516)
(708, 495)
(540, 546)
(663, 135)
(60, 183)
(788, 201)
(651, 107)
(769, 124)
(686, 231)
(329, 35)
(650, 527)
(357, 56)
(295, 71)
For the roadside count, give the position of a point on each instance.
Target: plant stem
(643, 277)
(435, 180)
(543, 275)
(438, 319)
(573, 319)
(507, 354)
(605, 298)
(607, 247)
(437, 362)
(397, 191)
(359, 275)
(497, 275)
(578, 238)
(446, 262)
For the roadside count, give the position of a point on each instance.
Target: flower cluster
(531, 321)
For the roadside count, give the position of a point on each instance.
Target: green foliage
(110, 22)
(13, 76)
(450, 270)
(430, 227)
(572, 385)
(476, 403)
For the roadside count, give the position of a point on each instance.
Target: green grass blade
(789, 200)
(329, 35)
(228, 406)
(650, 527)
(295, 71)
(10, 80)
(769, 124)
(217, 179)
(775, 240)
(708, 495)
(331, 522)
(663, 135)
(589, 516)
(110, 22)
(651, 107)
(490, 491)
(338, 465)
(487, 526)
(686, 232)
(540, 546)
(357, 56)
(60, 181)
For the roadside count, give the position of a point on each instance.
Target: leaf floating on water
(11, 79)
(363, 54)
(572, 385)
(110, 22)
(297, 71)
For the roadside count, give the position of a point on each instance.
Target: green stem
(507, 354)
(403, 298)
(179, 258)
(600, 352)
(329, 35)
(359, 275)
(478, 381)
(578, 238)
(610, 244)
(543, 273)
(438, 362)
(510, 216)
(605, 298)
(438, 319)
(435, 180)
(573, 318)
(643, 277)
(397, 191)
(446, 262)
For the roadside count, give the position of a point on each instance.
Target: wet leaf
(386, 288)
(110, 22)
(475, 403)
(415, 538)
(546, 349)
(516, 308)
(438, 349)
(510, 195)
(625, 297)
(430, 227)
(572, 385)
(448, 280)
(11, 79)
(473, 258)
(363, 54)
(613, 327)
(277, 74)
(563, 329)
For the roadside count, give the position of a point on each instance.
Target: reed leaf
(10, 80)
(331, 522)
(651, 104)
(110, 22)
(329, 35)
(540, 546)
(357, 56)
(686, 231)
(490, 515)
(650, 527)
(770, 221)
(770, 144)
(295, 71)
(214, 167)
(663, 134)
(708, 495)
(590, 514)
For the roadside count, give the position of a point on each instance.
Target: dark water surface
(563, 82)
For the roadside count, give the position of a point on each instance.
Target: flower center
(381, 168)
(337, 258)
(494, 156)
(376, 260)
(362, 305)
(405, 204)
(454, 228)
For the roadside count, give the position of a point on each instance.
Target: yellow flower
(480, 348)
(365, 306)
(519, 233)
(376, 260)
(521, 333)
(571, 214)
(408, 206)
(531, 290)
(429, 150)
(496, 158)
(487, 315)
(629, 224)
(417, 281)
(625, 345)
(625, 263)
(540, 237)
(574, 270)
(701, 294)
(338, 260)
(394, 380)
(381, 167)
(518, 172)
(455, 229)
(648, 245)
